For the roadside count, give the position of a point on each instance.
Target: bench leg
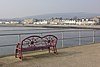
(16, 53)
(55, 50)
(20, 54)
(49, 49)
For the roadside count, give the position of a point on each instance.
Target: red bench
(32, 43)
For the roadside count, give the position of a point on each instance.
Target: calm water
(70, 33)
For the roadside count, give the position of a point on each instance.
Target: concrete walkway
(79, 56)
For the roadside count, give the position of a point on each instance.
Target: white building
(1, 22)
(41, 22)
(55, 23)
(7, 22)
(14, 22)
(80, 22)
(68, 22)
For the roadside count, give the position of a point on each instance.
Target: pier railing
(66, 38)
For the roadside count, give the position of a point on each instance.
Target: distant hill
(65, 15)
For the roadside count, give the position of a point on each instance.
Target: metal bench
(32, 43)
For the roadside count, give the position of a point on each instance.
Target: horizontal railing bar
(41, 32)
(97, 36)
(77, 40)
(28, 29)
(58, 39)
(17, 34)
(77, 37)
(46, 29)
(7, 45)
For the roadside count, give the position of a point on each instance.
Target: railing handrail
(47, 32)
(26, 29)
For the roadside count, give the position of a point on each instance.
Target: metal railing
(78, 37)
(53, 32)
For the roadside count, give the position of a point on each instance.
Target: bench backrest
(39, 41)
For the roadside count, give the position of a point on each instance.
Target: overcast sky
(21, 8)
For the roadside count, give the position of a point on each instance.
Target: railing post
(79, 37)
(41, 34)
(93, 36)
(19, 38)
(62, 39)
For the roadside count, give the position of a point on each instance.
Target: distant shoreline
(53, 26)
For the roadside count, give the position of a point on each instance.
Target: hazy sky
(21, 8)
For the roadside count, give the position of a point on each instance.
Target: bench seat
(31, 48)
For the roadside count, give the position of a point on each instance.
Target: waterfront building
(78, 22)
(27, 21)
(14, 22)
(1, 22)
(41, 22)
(7, 22)
(97, 19)
(69, 22)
